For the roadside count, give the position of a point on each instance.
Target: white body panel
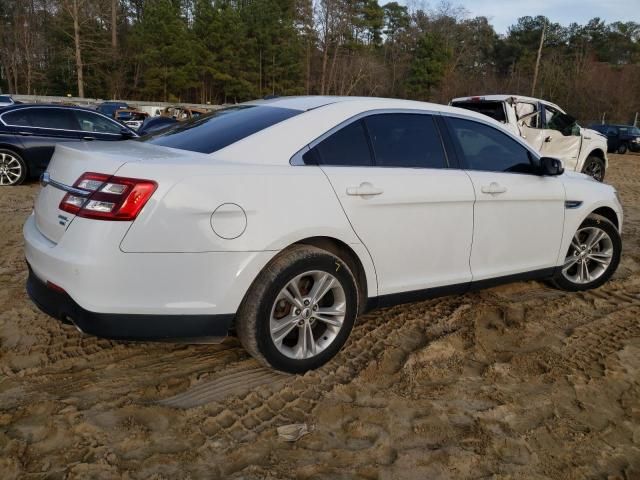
(418, 229)
(518, 230)
(216, 220)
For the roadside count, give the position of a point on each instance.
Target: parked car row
(292, 216)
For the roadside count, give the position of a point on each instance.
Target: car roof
(311, 102)
(504, 97)
(20, 106)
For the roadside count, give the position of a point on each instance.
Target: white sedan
(282, 220)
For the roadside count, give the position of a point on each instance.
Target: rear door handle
(88, 138)
(493, 188)
(364, 190)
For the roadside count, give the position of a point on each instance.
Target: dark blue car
(30, 132)
(109, 108)
(620, 138)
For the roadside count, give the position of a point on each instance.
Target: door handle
(88, 138)
(26, 134)
(493, 188)
(364, 190)
(548, 139)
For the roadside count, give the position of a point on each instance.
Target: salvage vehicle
(130, 117)
(282, 220)
(620, 138)
(547, 128)
(30, 132)
(183, 113)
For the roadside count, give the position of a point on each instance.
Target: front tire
(13, 169)
(622, 149)
(300, 310)
(594, 167)
(593, 256)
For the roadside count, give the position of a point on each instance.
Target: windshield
(213, 131)
(491, 109)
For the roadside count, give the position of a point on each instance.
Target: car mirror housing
(551, 166)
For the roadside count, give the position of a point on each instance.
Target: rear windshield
(213, 131)
(491, 109)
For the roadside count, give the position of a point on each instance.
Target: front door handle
(493, 188)
(548, 139)
(26, 134)
(88, 138)
(364, 190)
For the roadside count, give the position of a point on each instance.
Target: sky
(503, 13)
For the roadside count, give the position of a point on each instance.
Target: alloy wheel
(307, 314)
(594, 169)
(10, 169)
(589, 256)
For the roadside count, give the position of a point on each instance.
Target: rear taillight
(110, 198)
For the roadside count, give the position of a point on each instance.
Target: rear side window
(488, 149)
(346, 147)
(212, 132)
(405, 140)
(491, 109)
(53, 118)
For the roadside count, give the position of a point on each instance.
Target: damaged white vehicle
(547, 128)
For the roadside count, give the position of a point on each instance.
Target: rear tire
(592, 258)
(13, 169)
(299, 311)
(594, 167)
(622, 149)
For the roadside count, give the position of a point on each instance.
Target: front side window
(486, 148)
(561, 122)
(214, 131)
(405, 140)
(90, 122)
(346, 147)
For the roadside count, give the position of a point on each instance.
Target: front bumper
(60, 305)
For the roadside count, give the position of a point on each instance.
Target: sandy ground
(519, 381)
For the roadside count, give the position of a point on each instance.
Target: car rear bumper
(57, 303)
(114, 294)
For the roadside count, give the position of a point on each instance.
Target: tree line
(226, 51)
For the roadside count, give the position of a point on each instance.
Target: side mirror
(551, 166)
(126, 133)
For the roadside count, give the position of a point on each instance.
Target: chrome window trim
(59, 129)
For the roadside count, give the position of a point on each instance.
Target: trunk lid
(68, 163)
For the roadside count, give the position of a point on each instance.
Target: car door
(529, 123)
(40, 129)
(518, 214)
(94, 126)
(413, 213)
(562, 138)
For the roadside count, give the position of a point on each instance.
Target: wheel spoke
(570, 261)
(293, 299)
(334, 322)
(321, 287)
(281, 330)
(594, 238)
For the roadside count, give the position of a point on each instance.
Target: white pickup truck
(547, 128)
